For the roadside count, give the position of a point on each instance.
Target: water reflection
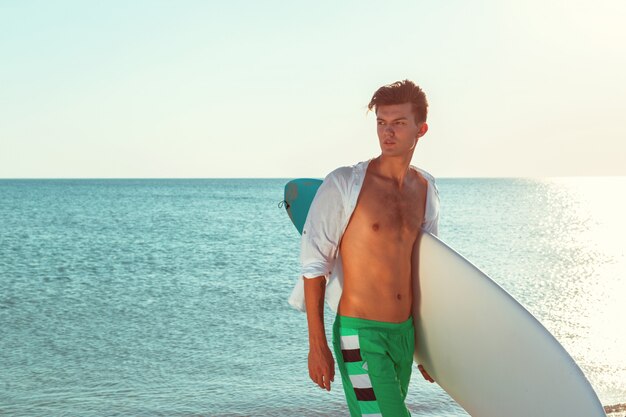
(594, 285)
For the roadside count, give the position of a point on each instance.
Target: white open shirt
(326, 222)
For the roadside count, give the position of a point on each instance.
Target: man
(356, 252)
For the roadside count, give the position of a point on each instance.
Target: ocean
(169, 297)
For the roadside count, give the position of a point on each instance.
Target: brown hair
(402, 92)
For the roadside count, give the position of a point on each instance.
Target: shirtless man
(367, 219)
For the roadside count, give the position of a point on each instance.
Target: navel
(375, 227)
(399, 297)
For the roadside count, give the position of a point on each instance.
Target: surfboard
(298, 197)
(491, 355)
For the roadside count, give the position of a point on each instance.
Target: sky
(207, 89)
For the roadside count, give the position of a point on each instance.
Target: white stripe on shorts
(361, 381)
(350, 342)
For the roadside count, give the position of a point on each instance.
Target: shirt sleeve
(322, 229)
(431, 216)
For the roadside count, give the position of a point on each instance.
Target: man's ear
(423, 130)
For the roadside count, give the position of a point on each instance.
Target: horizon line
(293, 177)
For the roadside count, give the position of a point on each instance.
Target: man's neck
(394, 168)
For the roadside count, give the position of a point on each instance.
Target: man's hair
(402, 92)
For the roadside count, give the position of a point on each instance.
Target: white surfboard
(485, 349)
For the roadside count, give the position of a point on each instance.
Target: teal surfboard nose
(299, 194)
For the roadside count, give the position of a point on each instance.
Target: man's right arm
(321, 362)
(320, 240)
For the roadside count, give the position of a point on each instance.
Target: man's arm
(321, 362)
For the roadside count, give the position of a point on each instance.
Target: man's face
(397, 131)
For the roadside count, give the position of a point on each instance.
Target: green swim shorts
(375, 360)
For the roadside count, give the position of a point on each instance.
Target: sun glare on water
(597, 207)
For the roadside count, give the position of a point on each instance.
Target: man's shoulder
(341, 172)
(348, 172)
(432, 201)
(425, 174)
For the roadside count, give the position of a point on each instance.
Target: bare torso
(377, 245)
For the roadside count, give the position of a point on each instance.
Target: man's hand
(321, 366)
(321, 362)
(425, 374)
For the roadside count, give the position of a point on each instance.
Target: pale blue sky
(279, 88)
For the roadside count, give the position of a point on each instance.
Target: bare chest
(387, 210)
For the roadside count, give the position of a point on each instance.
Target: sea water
(169, 297)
